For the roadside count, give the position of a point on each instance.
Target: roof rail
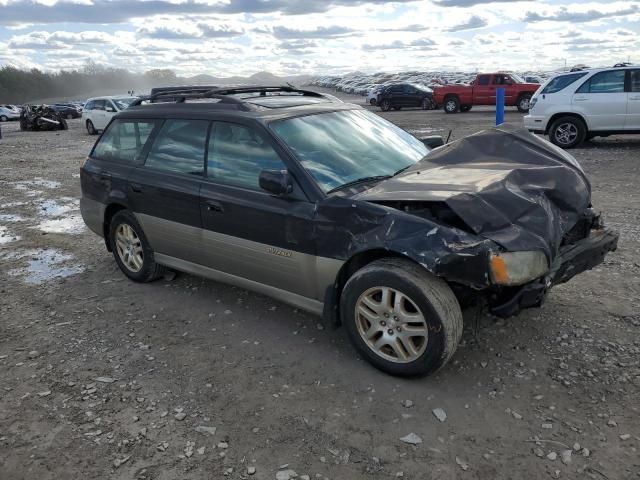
(623, 64)
(224, 94)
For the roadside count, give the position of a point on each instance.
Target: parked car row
(9, 112)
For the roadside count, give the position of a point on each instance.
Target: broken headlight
(517, 268)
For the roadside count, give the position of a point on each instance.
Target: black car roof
(265, 102)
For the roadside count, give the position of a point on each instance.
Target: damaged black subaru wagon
(330, 208)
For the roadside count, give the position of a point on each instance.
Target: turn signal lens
(517, 268)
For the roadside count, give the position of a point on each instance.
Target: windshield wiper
(357, 181)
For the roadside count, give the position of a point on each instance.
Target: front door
(164, 192)
(603, 100)
(482, 90)
(248, 232)
(633, 101)
(99, 115)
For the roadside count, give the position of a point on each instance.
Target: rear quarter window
(123, 140)
(561, 82)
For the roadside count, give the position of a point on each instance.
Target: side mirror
(277, 182)
(432, 141)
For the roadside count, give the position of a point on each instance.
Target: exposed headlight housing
(517, 268)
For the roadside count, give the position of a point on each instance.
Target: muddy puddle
(43, 265)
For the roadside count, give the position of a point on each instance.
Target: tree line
(23, 86)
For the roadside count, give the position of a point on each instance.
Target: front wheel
(4, 118)
(385, 106)
(567, 132)
(523, 103)
(131, 249)
(400, 318)
(90, 128)
(372, 102)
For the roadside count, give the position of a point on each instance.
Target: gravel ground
(186, 378)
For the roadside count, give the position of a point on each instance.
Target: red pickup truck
(482, 91)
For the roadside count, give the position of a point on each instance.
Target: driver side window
(237, 155)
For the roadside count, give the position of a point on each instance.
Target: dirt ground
(189, 379)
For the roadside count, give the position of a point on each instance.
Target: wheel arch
(331, 311)
(109, 213)
(556, 116)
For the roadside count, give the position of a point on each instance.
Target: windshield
(341, 147)
(123, 103)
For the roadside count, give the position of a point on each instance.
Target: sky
(289, 37)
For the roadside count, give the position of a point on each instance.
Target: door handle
(214, 206)
(580, 99)
(634, 98)
(136, 187)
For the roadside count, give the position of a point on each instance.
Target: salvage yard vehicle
(401, 95)
(482, 91)
(97, 112)
(67, 110)
(578, 106)
(330, 208)
(41, 117)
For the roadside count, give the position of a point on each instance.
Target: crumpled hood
(504, 183)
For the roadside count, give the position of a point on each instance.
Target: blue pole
(499, 106)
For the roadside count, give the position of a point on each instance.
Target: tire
(385, 106)
(465, 108)
(426, 104)
(63, 124)
(421, 294)
(397, 108)
(451, 104)
(90, 128)
(4, 118)
(523, 103)
(372, 102)
(567, 132)
(140, 267)
(23, 125)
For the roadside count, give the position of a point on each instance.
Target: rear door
(633, 100)
(414, 98)
(603, 100)
(396, 94)
(164, 192)
(482, 90)
(250, 233)
(104, 175)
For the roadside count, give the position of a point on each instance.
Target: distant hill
(259, 78)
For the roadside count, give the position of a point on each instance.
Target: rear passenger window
(179, 147)
(634, 83)
(604, 82)
(237, 155)
(124, 140)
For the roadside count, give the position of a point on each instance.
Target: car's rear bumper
(535, 123)
(93, 214)
(572, 260)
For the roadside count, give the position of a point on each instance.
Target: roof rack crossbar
(224, 94)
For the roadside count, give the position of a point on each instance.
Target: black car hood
(506, 184)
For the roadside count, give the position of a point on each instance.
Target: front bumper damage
(573, 259)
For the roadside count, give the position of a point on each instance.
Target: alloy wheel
(524, 103)
(129, 247)
(391, 324)
(450, 106)
(566, 133)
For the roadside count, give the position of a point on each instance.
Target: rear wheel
(451, 105)
(567, 132)
(131, 249)
(523, 103)
(403, 320)
(385, 106)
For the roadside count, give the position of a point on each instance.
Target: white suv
(576, 106)
(97, 112)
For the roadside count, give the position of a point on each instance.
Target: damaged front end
(41, 118)
(501, 215)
